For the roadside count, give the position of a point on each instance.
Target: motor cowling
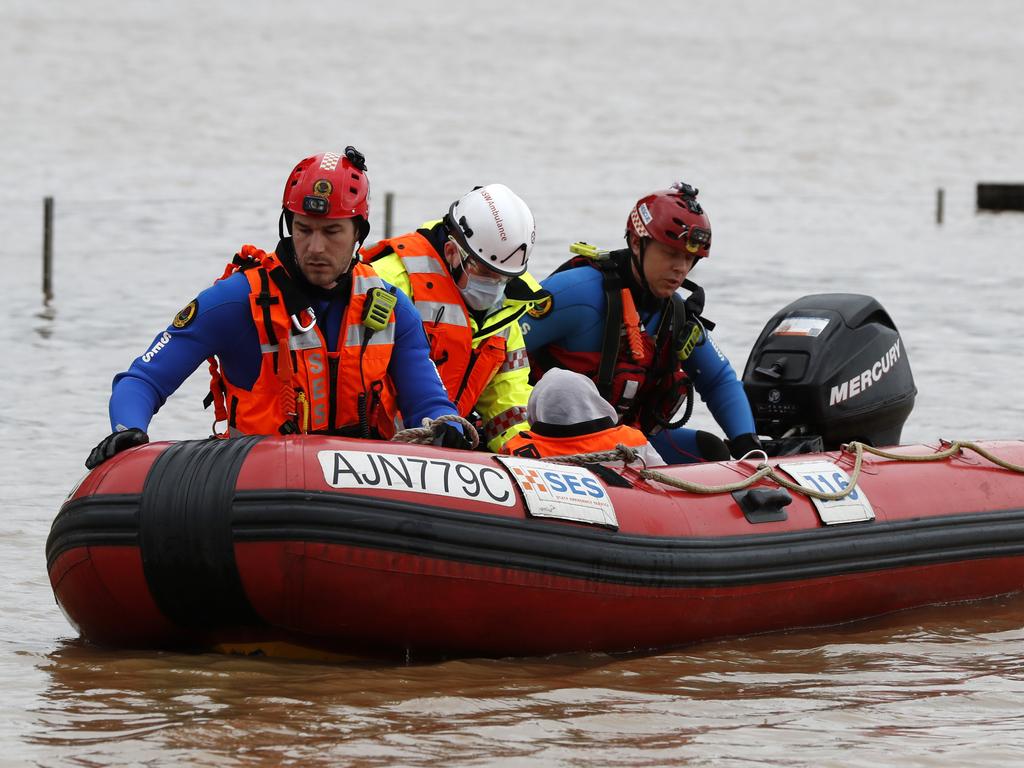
(834, 365)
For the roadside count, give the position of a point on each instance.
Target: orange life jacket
(532, 445)
(313, 389)
(466, 365)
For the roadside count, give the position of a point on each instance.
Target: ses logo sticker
(561, 491)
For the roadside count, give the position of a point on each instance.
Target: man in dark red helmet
(620, 318)
(358, 350)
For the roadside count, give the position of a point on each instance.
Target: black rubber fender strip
(106, 519)
(185, 534)
(595, 554)
(575, 551)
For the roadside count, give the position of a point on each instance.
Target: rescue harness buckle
(298, 323)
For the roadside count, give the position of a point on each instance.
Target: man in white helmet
(466, 274)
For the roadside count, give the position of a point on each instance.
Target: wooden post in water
(939, 201)
(389, 207)
(47, 250)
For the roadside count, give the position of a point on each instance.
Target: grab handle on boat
(763, 505)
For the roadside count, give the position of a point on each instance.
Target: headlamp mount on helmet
(316, 205)
(686, 190)
(357, 158)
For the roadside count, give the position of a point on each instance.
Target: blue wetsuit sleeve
(716, 381)
(222, 326)
(576, 319)
(418, 387)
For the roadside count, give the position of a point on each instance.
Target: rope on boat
(620, 452)
(764, 470)
(425, 435)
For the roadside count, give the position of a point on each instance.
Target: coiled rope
(764, 470)
(425, 435)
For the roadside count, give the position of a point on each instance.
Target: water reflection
(48, 316)
(934, 676)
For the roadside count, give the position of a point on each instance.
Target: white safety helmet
(494, 225)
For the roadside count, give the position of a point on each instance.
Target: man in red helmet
(358, 350)
(619, 317)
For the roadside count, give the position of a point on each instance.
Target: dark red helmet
(673, 217)
(330, 185)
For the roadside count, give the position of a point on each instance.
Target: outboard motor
(833, 365)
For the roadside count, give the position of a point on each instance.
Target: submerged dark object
(1000, 197)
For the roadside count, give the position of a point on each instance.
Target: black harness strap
(694, 304)
(612, 327)
(612, 282)
(505, 320)
(295, 300)
(266, 301)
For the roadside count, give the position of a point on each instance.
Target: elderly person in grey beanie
(567, 415)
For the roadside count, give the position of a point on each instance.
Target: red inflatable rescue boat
(351, 546)
(327, 544)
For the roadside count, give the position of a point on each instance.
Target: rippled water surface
(818, 135)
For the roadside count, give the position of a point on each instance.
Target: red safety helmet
(673, 217)
(330, 185)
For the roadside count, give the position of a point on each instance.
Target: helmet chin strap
(638, 262)
(457, 271)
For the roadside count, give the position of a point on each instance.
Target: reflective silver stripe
(505, 333)
(423, 265)
(355, 333)
(504, 420)
(452, 314)
(514, 361)
(307, 340)
(363, 284)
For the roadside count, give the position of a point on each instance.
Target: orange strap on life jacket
(217, 398)
(285, 369)
(631, 320)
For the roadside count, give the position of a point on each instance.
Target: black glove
(741, 445)
(113, 444)
(447, 436)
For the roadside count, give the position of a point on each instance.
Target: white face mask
(481, 293)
